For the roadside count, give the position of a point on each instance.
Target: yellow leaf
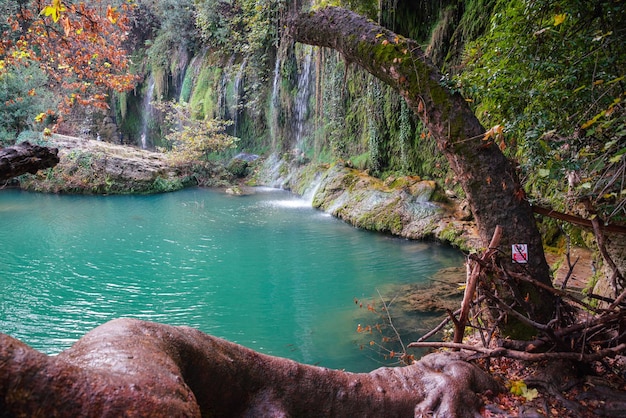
(558, 19)
(54, 10)
(40, 117)
(518, 387)
(530, 394)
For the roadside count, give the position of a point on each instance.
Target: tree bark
(26, 158)
(489, 179)
(129, 367)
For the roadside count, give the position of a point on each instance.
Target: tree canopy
(552, 74)
(77, 45)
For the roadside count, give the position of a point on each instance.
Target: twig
(554, 291)
(599, 235)
(470, 287)
(570, 271)
(390, 321)
(618, 300)
(522, 355)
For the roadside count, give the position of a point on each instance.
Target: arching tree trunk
(488, 178)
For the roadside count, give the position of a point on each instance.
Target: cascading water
(146, 112)
(302, 99)
(274, 103)
(237, 96)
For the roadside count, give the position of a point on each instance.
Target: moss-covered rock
(93, 167)
(405, 206)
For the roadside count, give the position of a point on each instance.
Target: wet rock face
(128, 367)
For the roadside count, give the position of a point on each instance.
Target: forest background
(545, 77)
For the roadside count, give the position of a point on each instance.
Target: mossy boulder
(94, 167)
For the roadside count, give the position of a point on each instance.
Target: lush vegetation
(73, 49)
(547, 75)
(190, 139)
(552, 74)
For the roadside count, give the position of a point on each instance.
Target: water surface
(265, 270)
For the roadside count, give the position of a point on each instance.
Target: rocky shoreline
(407, 206)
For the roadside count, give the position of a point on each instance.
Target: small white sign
(520, 253)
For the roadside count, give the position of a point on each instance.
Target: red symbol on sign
(520, 253)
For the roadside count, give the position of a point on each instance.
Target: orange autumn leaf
(112, 14)
(494, 132)
(67, 26)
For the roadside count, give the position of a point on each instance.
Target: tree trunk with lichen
(136, 368)
(488, 178)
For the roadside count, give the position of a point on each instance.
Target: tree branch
(523, 355)
(471, 284)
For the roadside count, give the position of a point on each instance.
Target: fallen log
(136, 368)
(26, 158)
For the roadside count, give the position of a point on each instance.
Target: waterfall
(146, 112)
(274, 104)
(237, 95)
(311, 191)
(275, 82)
(301, 104)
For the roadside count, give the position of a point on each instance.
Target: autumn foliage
(79, 45)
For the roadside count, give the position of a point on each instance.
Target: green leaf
(544, 172)
(617, 157)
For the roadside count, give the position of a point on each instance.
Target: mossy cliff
(404, 206)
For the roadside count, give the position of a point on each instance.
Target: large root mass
(136, 368)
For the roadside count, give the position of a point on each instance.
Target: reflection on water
(264, 270)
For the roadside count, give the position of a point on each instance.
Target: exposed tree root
(136, 368)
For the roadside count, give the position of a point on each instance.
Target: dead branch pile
(581, 329)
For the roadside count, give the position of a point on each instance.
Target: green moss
(162, 185)
(202, 98)
(453, 235)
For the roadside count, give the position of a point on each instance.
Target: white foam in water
(291, 203)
